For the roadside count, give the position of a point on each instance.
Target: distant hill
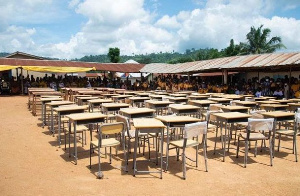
(4, 54)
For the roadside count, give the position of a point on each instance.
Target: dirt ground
(31, 163)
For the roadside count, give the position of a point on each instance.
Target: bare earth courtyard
(31, 163)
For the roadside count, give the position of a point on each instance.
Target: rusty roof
(116, 67)
(273, 61)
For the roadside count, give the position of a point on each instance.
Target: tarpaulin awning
(57, 69)
(7, 67)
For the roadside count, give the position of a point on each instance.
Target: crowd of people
(259, 87)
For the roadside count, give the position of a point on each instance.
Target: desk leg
(43, 111)
(69, 133)
(161, 151)
(75, 143)
(134, 154)
(59, 126)
(167, 147)
(217, 129)
(52, 121)
(224, 140)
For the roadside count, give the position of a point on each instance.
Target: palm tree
(257, 41)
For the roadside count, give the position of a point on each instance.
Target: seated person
(258, 92)
(278, 93)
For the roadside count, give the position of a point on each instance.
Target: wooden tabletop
(55, 103)
(202, 102)
(267, 102)
(245, 102)
(178, 95)
(70, 108)
(136, 110)
(100, 101)
(85, 116)
(273, 105)
(121, 96)
(172, 119)
(158, 102)
(87, 98)
(231, 115)
(140, 123)
(51, 99)
(111, 105)
(278, 114)
(183, 107)
(220, 99)
(138, 98)
(234, 107)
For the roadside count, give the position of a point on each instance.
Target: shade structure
(7, 67)
(57, 69)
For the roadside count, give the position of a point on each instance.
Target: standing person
(286, 91)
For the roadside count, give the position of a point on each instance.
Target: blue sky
(73, 28)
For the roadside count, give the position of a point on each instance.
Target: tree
(114, 55)
(257, 41)
(232, 49)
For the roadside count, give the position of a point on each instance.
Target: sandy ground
(31, 163)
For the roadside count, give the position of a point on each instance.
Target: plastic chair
(108, 129)
(190, 132)
(290, 133)
(258, 129)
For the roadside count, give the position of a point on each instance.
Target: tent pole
(289, 91)
(22, 81)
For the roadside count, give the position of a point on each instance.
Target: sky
(69, 29)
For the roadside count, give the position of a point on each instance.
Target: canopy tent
(7, 67)
(57, 69)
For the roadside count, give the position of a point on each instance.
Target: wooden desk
(225, 118)
(113, 107)
(120, 97)
(82, 100)
(158, 105)
(54, 104)
(266, 102)
(178, 99)
(293, 106)
(97, 102)
(66, 111)
(250, 104)
(198, 97)
(30, 94)
(148, 125)
(37, 95)
(75, 97)
(274, 107)
(107, 95)
(221, 100)
(201, 103)
(137, 112)
(175, 121)
(134, 100)
(185, 109)
(142, 94)
(230, 108)
(44, 101)
(83, 119)
(158, 97)
(178, 95)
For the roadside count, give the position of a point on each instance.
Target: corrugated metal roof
(258, 61)
(116, 67)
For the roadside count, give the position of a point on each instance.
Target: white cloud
(131, 27)
(168, 22)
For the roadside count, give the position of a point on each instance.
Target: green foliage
(114, 55)
(257, 42)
